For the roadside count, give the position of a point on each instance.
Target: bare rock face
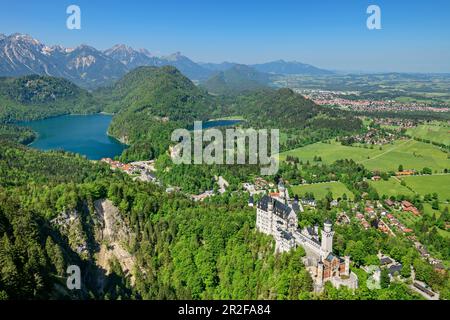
(101, 236)
(113, 236)
(70, 224)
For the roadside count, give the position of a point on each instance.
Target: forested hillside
(300, 121)
(37, 97)
(35, 188)
(20, 165)
(180, 249)
(152, 102)
(18, 134)
(163, 92)
(196, 258)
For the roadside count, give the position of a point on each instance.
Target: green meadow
(428, 210)
(412, 155)
(320, 190)
(330, 152)
(391, 187)
(436, 131)
(407, 218)
(409, 153)
(430, 184)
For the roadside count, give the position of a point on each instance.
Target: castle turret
(347, 266)
(319, 278)
(270, 205)
(251, 201)
(282, 191)
(327, 237)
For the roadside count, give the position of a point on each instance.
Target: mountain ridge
(237, 79)
(289, 68)
(90, 68)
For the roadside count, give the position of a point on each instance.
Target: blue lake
(86, 134)
(83, 134)
(218, 123)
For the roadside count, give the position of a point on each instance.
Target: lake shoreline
(84, 134)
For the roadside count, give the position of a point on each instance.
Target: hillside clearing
(409, 153)
(320, 190)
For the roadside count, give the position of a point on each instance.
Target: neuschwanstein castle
(277, 216)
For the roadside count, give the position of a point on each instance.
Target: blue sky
(332, 34)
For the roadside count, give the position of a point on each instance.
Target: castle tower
(327, 238)
(319, 273)
(270, 206)
(282, 191)
(270, 217)
(347, 266)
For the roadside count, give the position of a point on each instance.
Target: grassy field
(436, 131)
(392, 187)
(330, 152)
(428, 210)
(412, 155)
(430, 184)
(320, 190)
(409, 153)
(418, 184)
(444, 233)
(407, 218)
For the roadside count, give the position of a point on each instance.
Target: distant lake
(83, 134)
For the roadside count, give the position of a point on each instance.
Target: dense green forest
(18, 134)
(37, 97)
(301, 121)
(20, 165)
(195, 179)
(162, 92)
(152, 102)
(181, 249)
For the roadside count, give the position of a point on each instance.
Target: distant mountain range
(290, 67)
(236, 79)
(88, 67)
(218, 66)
